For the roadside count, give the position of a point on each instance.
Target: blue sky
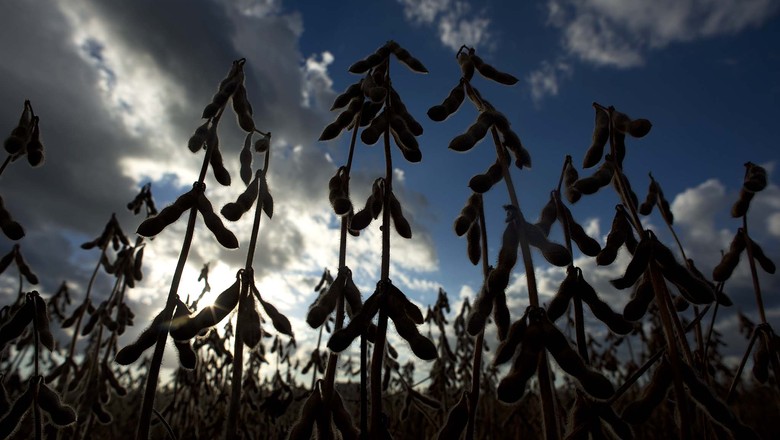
(119, 89)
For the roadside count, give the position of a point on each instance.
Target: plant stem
(330, 371)
(36, 408)
(77, 326)
(545, 384)
(231, 431)
(5, 164)
(476, 365)
(147, 404)
(377, 357)
(659, 288)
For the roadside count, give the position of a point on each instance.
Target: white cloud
(454, 21)
(618, 33)
(773, 224)
(545, 81)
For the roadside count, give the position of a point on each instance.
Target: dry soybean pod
(373, 132)
(146, 339)
(16, 325)
(481, 183)
(603, 312)
(548, 216)
(211, 315)
(10, 421)
(248, 323)
(491, 72)
(642, 296)
(512, 386)
(639, 410)
(456, 420)
(154, 225)
(758, 254)
(587, 245)
(399, 221)
(560, 302)
(24, 268)
(304, 425)
(473, 243)
(726, 267)
(324, 305)
(42, 322)
(554, 253)
(342, 419)
(340, 339)
(10, 227)
(616, 237)
(344, 98)
(187, 357)
(234, 210)
(450, 104)
(214, 223)
(49, 401)
(638, 264)
(567, 358)
(278, 320)
(508, 346)
(599, 139)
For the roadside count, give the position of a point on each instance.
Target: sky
(119, 88)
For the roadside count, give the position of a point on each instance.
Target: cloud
(618, 33)
(545, 81)
(453, 20)
(119, 90)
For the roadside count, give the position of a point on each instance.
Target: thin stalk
(77, 326)
(699, 335)
(730, 394)
(231, 431)
(147, 405)
(652, 360)
(659, 288)
(753, 272)
(5, 164)
(377, 357)
(545, 384)
(579, 318)
(330, 371)
(476, 366)
(37, 419)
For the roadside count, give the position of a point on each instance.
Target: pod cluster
(330, 290)
(655, 392)
(316, 411)
(144, 200)
(655, 196)
(525, 341)
(194, 198)
(25, 138)
(242, 293)
(610, 125)
(767, 351)
(40, 394)
(11, 228)
(755, 181)
(32, 311)
(575, 286)
(373, 103)
(650, 251)
(15, 256)
(404, 314)
(589, 418)
(256, 190)
(554, 211)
